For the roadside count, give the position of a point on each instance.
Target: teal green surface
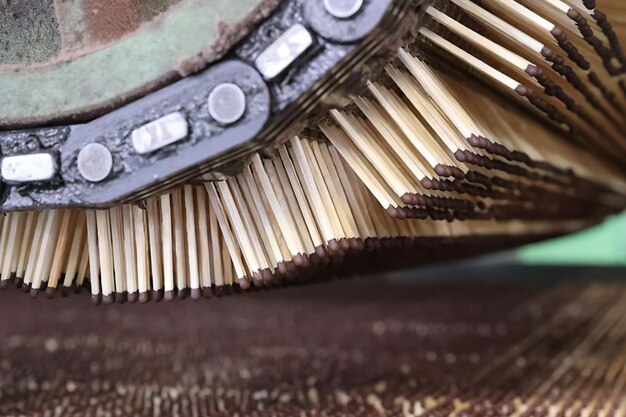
(604, 244)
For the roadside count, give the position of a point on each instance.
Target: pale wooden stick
(168, 244)
(94, 256)
(106, 259)
(35, 247)
(11, 256)
(117, 240)
(78, 242)
(180, 247)
(218, 212)
(130, 252)
(143, 263)
(192, 246)
(204, 247)
(59, 260)
(156, 255)
(216, 250)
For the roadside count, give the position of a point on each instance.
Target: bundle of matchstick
(425, 166)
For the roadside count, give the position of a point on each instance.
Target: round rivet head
(95, 162)
(343, 9)
(227, 103)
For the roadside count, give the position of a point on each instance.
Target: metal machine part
(280, 76)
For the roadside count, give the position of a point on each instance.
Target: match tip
(301, 260)
(244, 284)
(50, 291)
(144, 297)
(183, 293)
(573, 14)
(196, 294)
(96, 299)
(157, 295)
(121, 297)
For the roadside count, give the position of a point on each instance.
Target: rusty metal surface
(68, 61)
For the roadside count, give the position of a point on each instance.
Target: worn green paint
(42, 93)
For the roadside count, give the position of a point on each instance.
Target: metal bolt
(95, 162)
(227, 103)
(343, 9)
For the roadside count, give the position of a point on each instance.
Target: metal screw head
(343, 9)
(227, 103)
(95, 162)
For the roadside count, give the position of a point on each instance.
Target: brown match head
(474, 140)
(144, 297)
(334, 249)
(65, 291)
(244, 284)
(18, 282)
(301, 260)
(391, 210)
(157, 295)
(34, 292)
(558, 34)
(408, 198)
(442, 171)
(532, 70)
(196, 294)
(372, 244)
(183, 293)
(427, 183)
(522, 91)
(344, 244)
(4, 283)
(96, 299)
(460, 156)
(50, 291)
(457, 173)
(133, 297)
(281, 267)
(207, 292)
(357, 244)
(257, 279)
(108, 299)
(320, 251)
(267, 276)
(218, 291)
(292, 270)
(573, 14)
(547, 53)
(590, 4)
(167, 295)
(121, 297)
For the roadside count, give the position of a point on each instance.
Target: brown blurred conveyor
(479, 347)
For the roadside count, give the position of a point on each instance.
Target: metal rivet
(343, 9)
(284, 51)
(28, 168)
(227, 103)
(95, 162)
(159, 133)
